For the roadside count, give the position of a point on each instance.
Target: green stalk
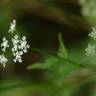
(62, 59)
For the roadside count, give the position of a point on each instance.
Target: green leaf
(62, 49)
(43, 65)
(39, 66)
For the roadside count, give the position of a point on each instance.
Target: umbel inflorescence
(91, 49)
(17, 45)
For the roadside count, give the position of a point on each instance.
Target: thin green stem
(63, 59)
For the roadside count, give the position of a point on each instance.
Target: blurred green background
(56, 64)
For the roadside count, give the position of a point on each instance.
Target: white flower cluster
(93, 34)
(3, 60)
(91, 49)
(12, 27)
(88, 9)
(4, 44)
(18, 46)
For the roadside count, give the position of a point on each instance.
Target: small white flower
(21, 53)
(15, 40)
(12, 27)
(24, 38)
(18, 57)
(90, 50)
(16, 37)
(93, 33)
(4, 44)
(15, 48)
(23, 44)
(3, 60)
